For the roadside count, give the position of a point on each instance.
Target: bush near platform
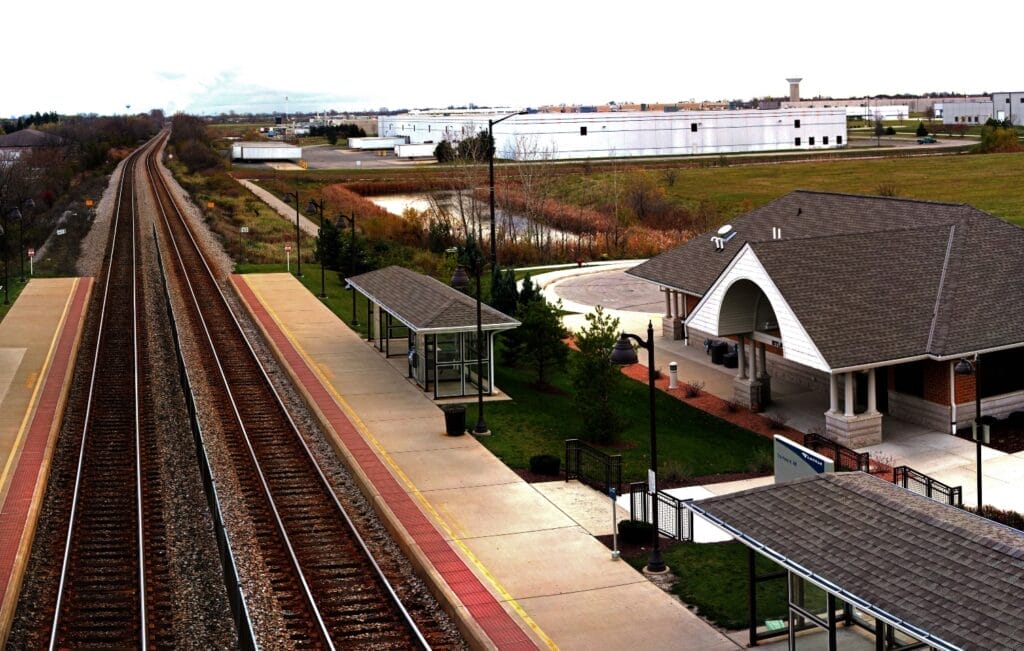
(545, 464)
(635, 532)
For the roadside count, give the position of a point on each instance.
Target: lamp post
(288, 197)
(351, 221)
(317, 208)
(966, 367)
(475, 261)
(490, 165)
(624, 355)
(28, 204)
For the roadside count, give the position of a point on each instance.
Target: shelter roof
(908, 559)
(426, 304)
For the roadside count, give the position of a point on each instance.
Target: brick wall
(936, 382)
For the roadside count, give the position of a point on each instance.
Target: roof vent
(776, 232)
(725, 233)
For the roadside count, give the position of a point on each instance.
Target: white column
(848, 395)
(872, 403)
(668, 304)
(833, 393)
(753, 359)
(742, 357)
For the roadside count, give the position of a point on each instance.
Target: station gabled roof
(425, 304)
(30, 138)
(940, 573)
(874, 279)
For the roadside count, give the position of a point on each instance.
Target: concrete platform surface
(507, 558)
(38, 342)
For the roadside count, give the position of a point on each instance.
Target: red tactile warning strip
(484, 608)
(27, 474)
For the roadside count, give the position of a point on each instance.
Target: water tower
(794, 88)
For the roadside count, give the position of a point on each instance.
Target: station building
(873, 300)
(627, 134)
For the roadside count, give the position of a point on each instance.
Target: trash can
(718, 350)
(454, 419)
(731, 359)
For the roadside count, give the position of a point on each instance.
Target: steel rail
(157, 179)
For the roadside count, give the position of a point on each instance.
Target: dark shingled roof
(426, 304)
(954, 575)
(875, 279)
(29, 138)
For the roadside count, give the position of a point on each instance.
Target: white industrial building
(886, 112)
(1008, 106)
(605, 135)
(257, 151)
(977, 112)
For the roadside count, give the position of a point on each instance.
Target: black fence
(922, 484)
(844, 457)
(592, 467)
(674, 519)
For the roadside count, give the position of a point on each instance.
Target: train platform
(39, 339)
(515, 563)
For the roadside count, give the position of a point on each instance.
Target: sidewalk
(507, 557)
(286, 211)
(38, 342)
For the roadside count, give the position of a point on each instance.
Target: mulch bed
(1005, 436)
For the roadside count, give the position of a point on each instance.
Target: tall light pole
(966, 367)
(288, 198)
(317, 207)
(27, 204)
(352, 262)
(474, 260)
(624, 354)
(490, 165)
(3, 232)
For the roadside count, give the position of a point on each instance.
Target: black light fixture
(624, 354)
(966, 367)
(317, 208)
(351, 221)
(490, 165)
(460, 280)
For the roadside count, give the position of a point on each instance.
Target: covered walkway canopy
(434, 326)
(924, 572)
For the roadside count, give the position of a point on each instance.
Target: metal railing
(592, 467)
(844, 457)
(674, 520)
(922, 484)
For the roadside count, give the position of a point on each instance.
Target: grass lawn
(691, 443)
(13, 291)
(713, 577)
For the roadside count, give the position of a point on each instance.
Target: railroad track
(328, 589)
(112, 590)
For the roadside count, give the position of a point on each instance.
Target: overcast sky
(215, 56)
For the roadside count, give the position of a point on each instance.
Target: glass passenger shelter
(434, 327)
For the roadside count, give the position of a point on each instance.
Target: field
(992, 182)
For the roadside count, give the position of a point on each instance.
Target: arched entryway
(747, 314)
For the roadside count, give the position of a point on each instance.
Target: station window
(839, 140)
(796, 141)
(583, 131)
(693, 127)
(824, 140)
(1022, 100)
(810, 141)
(796, 124)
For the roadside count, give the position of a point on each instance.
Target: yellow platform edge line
(364, 430)
(40, 379)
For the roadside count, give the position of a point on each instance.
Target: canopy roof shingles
(949, 573)
(425, 304)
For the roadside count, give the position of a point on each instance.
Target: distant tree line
(191, 143)
(26, 121)
(333, 132)
(475, 149)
